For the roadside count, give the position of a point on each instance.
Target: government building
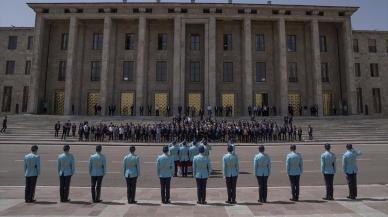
(83, 56)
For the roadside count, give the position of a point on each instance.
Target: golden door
(195, 101)
(259, 99)
(161, 100)
(294, 101)
(93, 99)
(126, 101)
(327, 103)
(228, 100)
(59, 105)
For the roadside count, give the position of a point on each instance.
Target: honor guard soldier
(206, 146)
(294, 165)
(262, 169)
(66, 168)
(193, 151)
(201, 172)
(230, 168)
(174, 152)
(349, 166)
(165, 170)
(328, 169)
(97, 170)
(31, 172)
(131, 168)
(184, 158)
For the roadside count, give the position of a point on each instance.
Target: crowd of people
(244, 131)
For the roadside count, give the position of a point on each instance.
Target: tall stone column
(347, 40)
(282, 67)
(36, 66)
(104, 83)
(316, 65)
(140, 64)
(247, 75)
(70, 64)
(210, 63)
(177, 87)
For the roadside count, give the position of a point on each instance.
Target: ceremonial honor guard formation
(192, 159)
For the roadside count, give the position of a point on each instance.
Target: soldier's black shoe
(98, 201)
(204, 202)
(234, 202)
(168, 201)
(227, 201)
(331, 198)
(199, 202)
(325, 198)
(66, 201)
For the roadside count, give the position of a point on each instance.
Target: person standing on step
(350, 168)
(294, 165)
(131, 167)
(5, 120)
(165, 170)
(201, 172)
(97, 170)
(262, 169)
(230, 168)
(31, 172)
(328, 169)
(66, 168)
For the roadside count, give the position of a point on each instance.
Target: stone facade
(181, 54)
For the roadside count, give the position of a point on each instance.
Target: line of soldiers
(197, 155)
(215, 131)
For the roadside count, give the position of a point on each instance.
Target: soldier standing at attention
(97, 170)
(66, 169)
(174, 152)
(193, 151)
(201, 172)
(165, 170)
(184, 158)
(350, 168)
(131, 167)
(230, 167)
(262, 169)
(328, 169)
(294, 165)
(31, 172)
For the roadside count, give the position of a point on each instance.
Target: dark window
(129, 41)
(360, 106)
(80, 10)
(30, 42)
(322, 43)
(325, 72)
(253, 11)
(386, 45)
(357, 69)
(98, 40)
(148, 10)
(260, 42)
(218, 11)
(10, 67)
(261, 72)
(195, 42)
(228, 41)
(136, 10)
(128, 70)
(355, 45)
(241, 11)
(184, 10)
(162, 41)
(7, 99)
(206, 10)
(374, 70)
(64, 41)
(287, 12)
(292, 72)
(372, 45)
(25, 99)
(66, 10)
(12, 42)
(291, 43)
(62, 71)
(161, 71)
(113, 10)
(27, 69)
(228, 72)
(195, 72)
(95, 74)
(376, 100)
(171, 10)
(101, 10)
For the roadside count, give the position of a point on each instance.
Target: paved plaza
(368, 135)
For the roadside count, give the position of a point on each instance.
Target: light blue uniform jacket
(165, 166)
(193, 151)
(131, 166)
(184, 153)
(31, 165)
(328, 163)
(294, 164)
(230, 165)
(97, 165)
(262, 165)
(174, 152)
(349, 161)
(201, 167)
(66, 164)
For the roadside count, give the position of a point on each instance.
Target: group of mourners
(195, 156)
(253, 131)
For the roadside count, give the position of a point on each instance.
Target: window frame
(8, 69)
(12, 42)
(64, 41)
(228, 42)
(27, 67)
(260, 43)
(291, 44)
(295, 78)
(374, 70)
(195, 44)
(161, 71)
(325, 75)
(130, 72)
(95, 71)
(130, 41)
(162, 41)
(195, 76)
(257, 72)
(323, 43)
(30, 42)
(98, 41)
(227, 72)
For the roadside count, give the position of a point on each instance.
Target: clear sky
(372, 15)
